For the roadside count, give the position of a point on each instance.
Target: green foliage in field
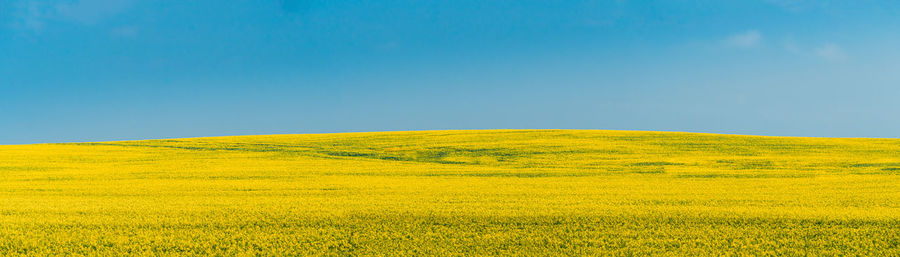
(502, 192)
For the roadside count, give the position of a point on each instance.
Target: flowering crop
(495, 192)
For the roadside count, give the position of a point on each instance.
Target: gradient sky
(91, 70)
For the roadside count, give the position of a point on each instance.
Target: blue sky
(90, 70)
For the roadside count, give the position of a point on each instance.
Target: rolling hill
(480, 192)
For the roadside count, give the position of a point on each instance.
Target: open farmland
(493, 192)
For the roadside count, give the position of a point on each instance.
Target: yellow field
(500, 192)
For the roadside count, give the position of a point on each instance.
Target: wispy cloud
(791, 5)
(792, 47)
(831, 52)
(35, 15)
(827, 51)
(748, 39)
(125, 31)
(30, 15)
(92, 11)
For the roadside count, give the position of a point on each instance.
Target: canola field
(454, 193)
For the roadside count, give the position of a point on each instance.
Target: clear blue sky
(89, 70)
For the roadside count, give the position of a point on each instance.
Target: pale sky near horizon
(96, 70)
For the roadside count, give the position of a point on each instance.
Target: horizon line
(438, 130)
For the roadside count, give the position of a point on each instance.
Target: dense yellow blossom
(498, 192)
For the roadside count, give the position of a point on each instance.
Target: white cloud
(746, 39)
(831, 52)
